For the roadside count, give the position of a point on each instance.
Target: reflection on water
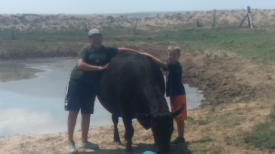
(36, 105)
(10, 71)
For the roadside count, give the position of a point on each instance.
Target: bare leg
(71, 125)
(180, 126)
(85, 123)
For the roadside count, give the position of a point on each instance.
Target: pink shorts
(179, 102)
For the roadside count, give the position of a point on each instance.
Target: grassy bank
(254, 44)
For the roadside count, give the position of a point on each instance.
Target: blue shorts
(80, 96)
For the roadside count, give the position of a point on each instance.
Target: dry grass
(226, 128)
(214, 137)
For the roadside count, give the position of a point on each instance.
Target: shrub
(263, 136)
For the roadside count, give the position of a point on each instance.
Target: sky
(123, 6)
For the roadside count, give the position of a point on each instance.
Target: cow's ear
(176, 113)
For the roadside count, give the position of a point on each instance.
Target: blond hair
(174, 48)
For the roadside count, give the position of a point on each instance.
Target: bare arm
(162, 64)
(87, 67)
(129, 50)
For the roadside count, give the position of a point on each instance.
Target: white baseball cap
(93, 32)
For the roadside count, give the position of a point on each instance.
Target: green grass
(256, 44)
(199, 120)
(63, 36)
(262, 137)
(201, 146)
(272, 114)
(249, 44)
(225, 120)
(230, 120)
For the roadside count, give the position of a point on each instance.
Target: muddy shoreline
(222, 78)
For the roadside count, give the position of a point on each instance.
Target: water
(36, 105)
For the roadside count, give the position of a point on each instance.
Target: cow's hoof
(118, 142)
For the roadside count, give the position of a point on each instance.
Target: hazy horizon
(87, 7)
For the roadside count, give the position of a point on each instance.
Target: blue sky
(123, 6)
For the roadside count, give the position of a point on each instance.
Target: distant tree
(135, 25)
(13, 34)
(110, 19)
(86, 27)
(199, 23)
(214, 23)
(178, 16)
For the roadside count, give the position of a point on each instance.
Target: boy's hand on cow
(146, 54)
(103, 68)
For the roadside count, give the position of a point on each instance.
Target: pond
(32, 97)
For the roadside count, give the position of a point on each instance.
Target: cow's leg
(155, 137)
(116, 133)
(129, 132)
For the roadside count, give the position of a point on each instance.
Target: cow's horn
(176, 113)
(172, 114)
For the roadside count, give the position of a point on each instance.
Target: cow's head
(162, 130)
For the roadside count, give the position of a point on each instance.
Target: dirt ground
(238, 96)
(57, 143)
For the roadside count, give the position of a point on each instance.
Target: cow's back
(128, 84)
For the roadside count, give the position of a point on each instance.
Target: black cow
(133, 87)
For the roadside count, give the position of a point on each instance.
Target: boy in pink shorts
(175, 88)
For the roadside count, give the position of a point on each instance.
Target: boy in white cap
(83, 84)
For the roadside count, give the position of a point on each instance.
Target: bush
(263, 136)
